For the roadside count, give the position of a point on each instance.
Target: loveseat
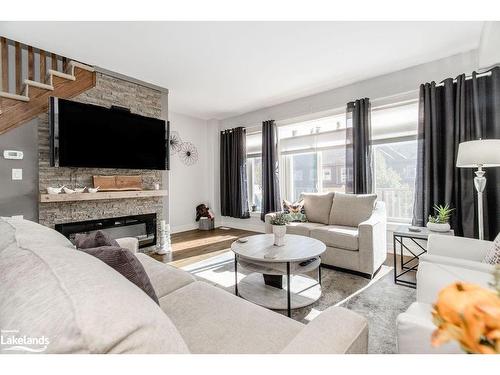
(74, 303)
(449, 259)
(353, 228)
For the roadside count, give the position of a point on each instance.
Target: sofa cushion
(165, 278)
(317, 206)
(351, 209)
(337, 236)
(239, 327)
(29, 233)
(124, 262)
(75, 301)
(302, 229)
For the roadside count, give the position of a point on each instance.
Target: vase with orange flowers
(470, 315)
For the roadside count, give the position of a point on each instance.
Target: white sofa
(448, 259)
(353, 228)
(80, 305)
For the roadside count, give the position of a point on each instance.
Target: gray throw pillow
(97, 239)
(351, 209)
(125, 262)
(317, 206)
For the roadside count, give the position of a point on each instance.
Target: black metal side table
(410, 265)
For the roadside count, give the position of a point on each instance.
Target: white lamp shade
(484, 153)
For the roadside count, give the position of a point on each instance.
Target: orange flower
(470, 315)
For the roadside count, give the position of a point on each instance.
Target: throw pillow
(103, 239)
(493, 256)
(351, 209)
(317, 206)
(294, 212)
(96, 239)
(125, 262)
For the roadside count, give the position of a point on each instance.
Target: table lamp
(479, 154)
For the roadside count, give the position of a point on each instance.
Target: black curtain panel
(233, 174)
(457, 111)
(359, 167)
(270, 172)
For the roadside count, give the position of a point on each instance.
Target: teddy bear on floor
(202, 210)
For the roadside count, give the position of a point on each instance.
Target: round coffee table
(270, 264)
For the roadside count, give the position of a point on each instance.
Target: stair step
(51, 73)
(39, 85)
(75, 64)
(8, 95)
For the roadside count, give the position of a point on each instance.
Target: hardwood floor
(195, 245)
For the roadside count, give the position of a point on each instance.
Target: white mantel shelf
(103, 195)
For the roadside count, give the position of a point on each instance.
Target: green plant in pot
(440, 222)
(279, 222)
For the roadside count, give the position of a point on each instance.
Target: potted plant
(279, 222)
(440, 222)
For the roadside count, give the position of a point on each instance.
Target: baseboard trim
(253, 228)
(183, 228)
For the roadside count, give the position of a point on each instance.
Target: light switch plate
(17, 174)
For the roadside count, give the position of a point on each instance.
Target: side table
(410, 265)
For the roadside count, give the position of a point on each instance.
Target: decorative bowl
(80, 189)
(54, 190)
(93, 190)
(436, 227)
(68, 190)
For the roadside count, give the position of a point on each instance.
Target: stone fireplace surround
(107, 91)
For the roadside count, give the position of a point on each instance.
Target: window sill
(255, 213)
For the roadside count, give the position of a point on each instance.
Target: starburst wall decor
(187, 151)
(175, 142)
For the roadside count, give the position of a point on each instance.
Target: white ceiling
(221, 69)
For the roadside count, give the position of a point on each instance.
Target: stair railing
(20, 62)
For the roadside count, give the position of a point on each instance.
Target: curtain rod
(468, 77)
(232, 129)
(256, 128)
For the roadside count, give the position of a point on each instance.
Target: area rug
(379, 299)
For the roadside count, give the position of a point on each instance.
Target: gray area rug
(379, 300)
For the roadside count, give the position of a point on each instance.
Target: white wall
(402, 84)
(379, 88)
(489, 47)
(190, 185)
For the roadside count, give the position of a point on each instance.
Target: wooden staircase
(33, 86)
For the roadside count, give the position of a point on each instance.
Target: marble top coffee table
(269, 264)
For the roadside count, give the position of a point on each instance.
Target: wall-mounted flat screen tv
(90, 136)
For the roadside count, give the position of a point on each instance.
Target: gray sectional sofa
(80, 305)
(353, 228)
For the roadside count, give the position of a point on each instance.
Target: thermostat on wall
(11, 154)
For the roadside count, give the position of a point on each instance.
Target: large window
(312, 158)
(254, 181)
(254, 170)
(395, 158)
